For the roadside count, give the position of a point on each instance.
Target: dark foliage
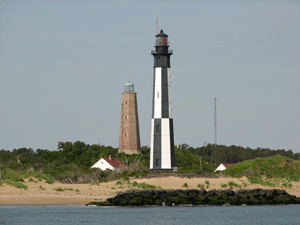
(233, 154)
(72, 161)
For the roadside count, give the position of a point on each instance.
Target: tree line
(233, 154)
(78, 157)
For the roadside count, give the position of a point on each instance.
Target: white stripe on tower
(157, 93)
(165, 144)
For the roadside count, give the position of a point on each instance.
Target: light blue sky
(63, 65)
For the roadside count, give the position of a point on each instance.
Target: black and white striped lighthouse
(162, 136)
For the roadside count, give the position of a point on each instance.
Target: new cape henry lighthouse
(162, 155)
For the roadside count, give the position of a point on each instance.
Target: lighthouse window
(126, 117)
(125, 135)
(157, 94)
(126, 102)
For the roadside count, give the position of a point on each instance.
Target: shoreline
(40, 193)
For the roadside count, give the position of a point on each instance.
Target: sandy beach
(41, 193)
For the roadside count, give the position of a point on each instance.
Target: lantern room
(129, 87)
(161, 39)
(161, 45)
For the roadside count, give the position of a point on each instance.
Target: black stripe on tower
(162, 61)
(164, 93)
(157, 144)
(172, 143)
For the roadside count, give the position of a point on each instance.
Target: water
(56, 215)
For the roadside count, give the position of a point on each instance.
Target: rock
(199, 197)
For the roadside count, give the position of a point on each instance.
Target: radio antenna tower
(215, 119)
(156, 23)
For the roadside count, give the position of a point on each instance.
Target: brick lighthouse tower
(162, 155)
(129, 140)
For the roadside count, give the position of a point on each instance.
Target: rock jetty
(199, 197)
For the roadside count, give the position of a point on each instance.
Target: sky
(63, 65)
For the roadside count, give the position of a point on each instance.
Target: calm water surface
(56, 215)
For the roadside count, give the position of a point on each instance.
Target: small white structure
(108, 164)
(222, 166)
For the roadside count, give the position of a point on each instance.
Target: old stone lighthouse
(129, 140)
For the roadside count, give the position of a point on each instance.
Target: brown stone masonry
(129, 141)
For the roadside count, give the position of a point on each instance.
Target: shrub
(19, 179)
(224, 185)
(42, 188)
(287, 185)
(50, 181)
(32, 180)
(134, 184)
(185, 185)
(231, 184)
(200, 185)
(59, 189)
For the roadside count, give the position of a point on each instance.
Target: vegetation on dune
(187, 162)
(15, 184)
(135, 184)
(71, 163)
(267, 171)
(144, 185)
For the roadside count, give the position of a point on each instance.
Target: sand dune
(41, 193)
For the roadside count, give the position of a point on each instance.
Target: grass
(63, 189)
(261, 180)
(143, 185)
(267, 171)
(95, 183)
(16, 184)
(13, 178)
(18, 176)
